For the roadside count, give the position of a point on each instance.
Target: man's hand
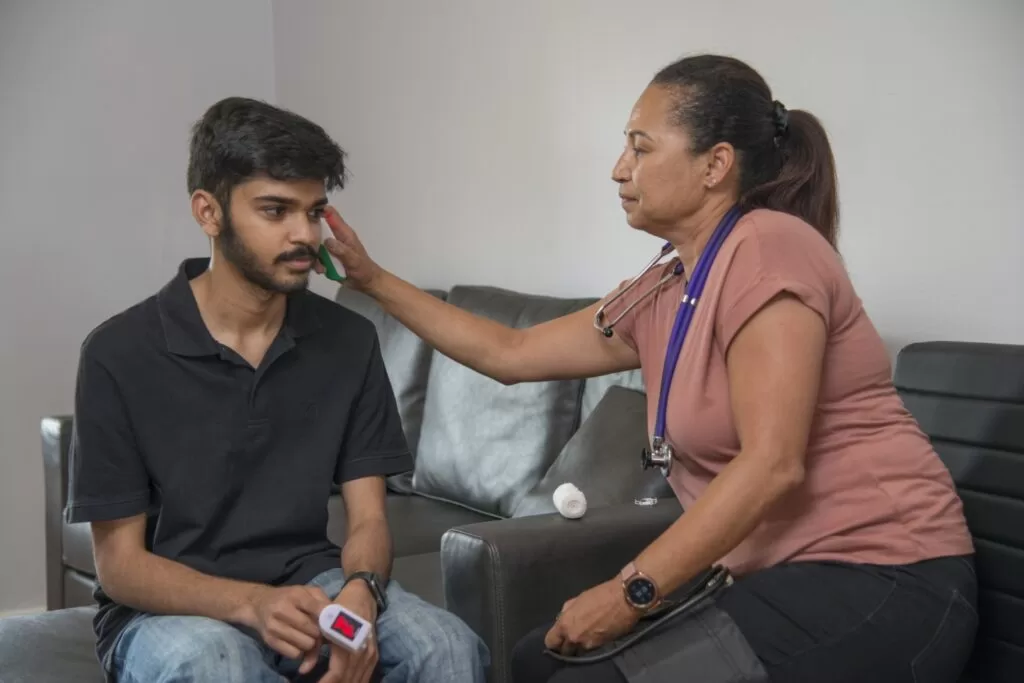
(287, 618)
(355, 667)
(591, 619)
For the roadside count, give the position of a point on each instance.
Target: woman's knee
(529, 663)
(185, 649)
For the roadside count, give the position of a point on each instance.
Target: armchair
(507, 577)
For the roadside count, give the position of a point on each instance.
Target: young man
(211, 421)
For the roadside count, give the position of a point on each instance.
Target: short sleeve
(374, 443)
(107, 478)
(770, 261)
(634, 321)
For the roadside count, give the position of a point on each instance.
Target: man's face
(272, 231)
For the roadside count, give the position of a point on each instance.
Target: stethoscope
(660, 454)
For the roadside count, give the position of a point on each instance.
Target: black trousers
(810, 622)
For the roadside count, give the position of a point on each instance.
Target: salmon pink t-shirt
(874, 489)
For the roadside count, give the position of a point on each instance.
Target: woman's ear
(721, 159)
(207, 212)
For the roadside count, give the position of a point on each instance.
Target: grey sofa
(485, 453)
(489, 549)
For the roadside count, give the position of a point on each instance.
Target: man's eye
(274, 211)
(316, 214)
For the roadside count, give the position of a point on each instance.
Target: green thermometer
(330, 271)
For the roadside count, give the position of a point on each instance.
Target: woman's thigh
(531, 665)
(828, 621)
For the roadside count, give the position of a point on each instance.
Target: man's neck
(691, 236)
(236, 311)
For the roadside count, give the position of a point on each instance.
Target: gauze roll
(570, 501)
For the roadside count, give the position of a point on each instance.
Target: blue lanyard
(687, 306)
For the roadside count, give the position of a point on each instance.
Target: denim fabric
(417, 642)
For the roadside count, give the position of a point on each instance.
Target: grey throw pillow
(603, 458)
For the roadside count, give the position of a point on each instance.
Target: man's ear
(207, 212)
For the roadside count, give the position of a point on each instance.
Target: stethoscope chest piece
(660, 455)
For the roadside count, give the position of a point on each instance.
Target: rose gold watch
(641, 592)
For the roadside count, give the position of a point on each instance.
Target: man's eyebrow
(287, 201)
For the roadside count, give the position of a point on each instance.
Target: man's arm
(133, 576)
(367, 537)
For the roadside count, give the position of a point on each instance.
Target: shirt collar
(184, 330)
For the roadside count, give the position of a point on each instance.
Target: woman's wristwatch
(641, 592)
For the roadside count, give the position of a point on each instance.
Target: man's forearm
(368, 549)
(151, 583)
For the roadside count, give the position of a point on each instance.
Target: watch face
(641, 591)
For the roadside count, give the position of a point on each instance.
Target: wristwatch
(374, 584)
(641, 592)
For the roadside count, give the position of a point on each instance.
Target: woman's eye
(637, 151)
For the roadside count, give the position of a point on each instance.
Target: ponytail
(806, 184)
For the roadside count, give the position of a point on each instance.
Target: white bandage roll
(570, 501)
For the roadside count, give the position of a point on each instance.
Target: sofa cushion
(406, 359)
(78, 547)
(416, 523)
(485, 444)
(603, 458)
(52, 647)
(595, 388)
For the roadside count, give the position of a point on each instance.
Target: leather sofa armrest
(507, 577)
(56, 437)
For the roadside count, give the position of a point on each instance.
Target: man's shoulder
(339, 320)
(123, 334)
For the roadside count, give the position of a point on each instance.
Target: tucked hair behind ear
(785, 159)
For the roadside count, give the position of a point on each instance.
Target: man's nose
(303, 229)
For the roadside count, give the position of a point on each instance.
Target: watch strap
(374, 584)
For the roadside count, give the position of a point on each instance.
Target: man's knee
(184, 649)
(434, 643)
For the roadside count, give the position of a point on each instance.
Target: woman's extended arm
(567, 347)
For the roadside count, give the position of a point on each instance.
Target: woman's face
(661, 182)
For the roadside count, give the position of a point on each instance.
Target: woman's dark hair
(785, 160)
(239, 138)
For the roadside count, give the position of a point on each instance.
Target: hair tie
(780, 118)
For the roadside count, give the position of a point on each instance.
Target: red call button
(345, 626)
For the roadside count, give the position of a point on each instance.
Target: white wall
(97, 99)
(482, 136)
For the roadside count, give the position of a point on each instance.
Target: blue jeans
(417, 642)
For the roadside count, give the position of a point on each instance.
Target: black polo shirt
(234, 464)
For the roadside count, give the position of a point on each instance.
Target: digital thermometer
(343, 627)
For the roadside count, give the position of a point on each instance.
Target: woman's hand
(360, 270)
(591, 619)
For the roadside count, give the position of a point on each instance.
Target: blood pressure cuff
(689, 633)
(705, 643)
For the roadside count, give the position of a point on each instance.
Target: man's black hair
(240, 138)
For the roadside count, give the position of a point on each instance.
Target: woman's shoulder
(768, 228)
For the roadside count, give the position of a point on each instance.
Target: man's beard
(241, 257)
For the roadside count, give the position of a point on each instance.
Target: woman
(787, 445)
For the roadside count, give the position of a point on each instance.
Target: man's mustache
(303, 252)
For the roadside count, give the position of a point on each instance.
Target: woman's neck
(692, 235)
